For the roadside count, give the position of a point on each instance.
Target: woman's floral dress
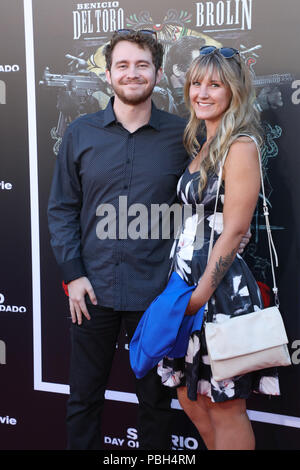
(237, 294)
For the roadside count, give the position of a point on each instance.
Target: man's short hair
(141, 40)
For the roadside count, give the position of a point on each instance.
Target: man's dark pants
(93, 347)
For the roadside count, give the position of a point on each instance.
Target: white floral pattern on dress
(185, 246)
(269, 386)
(193, 348)
(218, 222)
(225, 387)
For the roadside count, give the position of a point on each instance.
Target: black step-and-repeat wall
(51, 71)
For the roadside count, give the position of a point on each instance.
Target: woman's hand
(194, 305)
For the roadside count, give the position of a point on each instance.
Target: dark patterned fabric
(237, 294)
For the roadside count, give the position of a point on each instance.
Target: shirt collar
(109, 115)
(155, 117)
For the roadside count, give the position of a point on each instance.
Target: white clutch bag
(253, 341)
(246, 343)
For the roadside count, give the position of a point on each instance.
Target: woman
(220, 97)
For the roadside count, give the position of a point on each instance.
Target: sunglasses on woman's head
(227, 52)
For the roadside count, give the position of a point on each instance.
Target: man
(131, 150)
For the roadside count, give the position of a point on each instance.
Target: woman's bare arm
(242, 183)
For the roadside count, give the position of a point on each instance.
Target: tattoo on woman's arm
(221, 268)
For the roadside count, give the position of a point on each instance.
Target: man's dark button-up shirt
(98, 229)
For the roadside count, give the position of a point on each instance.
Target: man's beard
(132, 99)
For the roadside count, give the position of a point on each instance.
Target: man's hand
(245, 241)
(77, 290)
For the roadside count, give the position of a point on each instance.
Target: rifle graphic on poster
(75, 94)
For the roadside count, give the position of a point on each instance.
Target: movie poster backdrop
(52, 70)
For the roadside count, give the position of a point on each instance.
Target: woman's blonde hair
(240, 117)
